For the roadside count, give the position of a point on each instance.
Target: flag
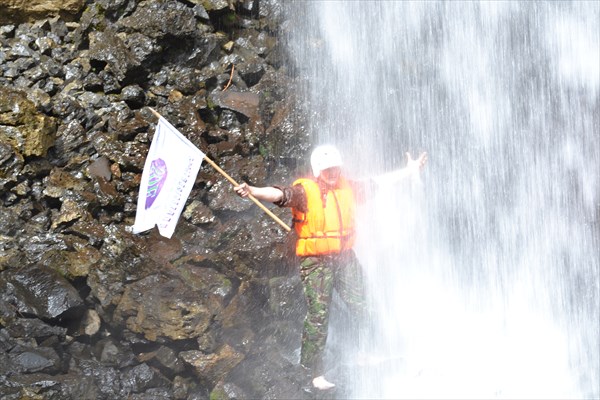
(167, 180)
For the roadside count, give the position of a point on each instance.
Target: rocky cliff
(89, 310)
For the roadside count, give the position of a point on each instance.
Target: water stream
(483, 279)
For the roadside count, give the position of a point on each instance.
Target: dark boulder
(40, 292)
(38, 359)
(179, 306)
(110, 54)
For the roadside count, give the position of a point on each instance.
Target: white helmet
(323, 157)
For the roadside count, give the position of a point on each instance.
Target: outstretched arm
(412, 170)
(267, 193)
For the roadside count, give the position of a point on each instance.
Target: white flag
(167, 180)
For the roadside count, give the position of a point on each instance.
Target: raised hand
(417, 164)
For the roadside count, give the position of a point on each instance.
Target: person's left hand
(418, 164)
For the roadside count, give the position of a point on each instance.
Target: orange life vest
(325, 228)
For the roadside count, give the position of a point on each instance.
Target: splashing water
(484, 279)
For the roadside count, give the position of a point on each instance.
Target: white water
(484, 279)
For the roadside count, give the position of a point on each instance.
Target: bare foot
(322, 384)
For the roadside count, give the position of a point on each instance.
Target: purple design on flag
(158, 176)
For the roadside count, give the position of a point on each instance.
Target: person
(323, 208)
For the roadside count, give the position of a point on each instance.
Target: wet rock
(21, 53)
(130, 155)
(153, 394)
(111, 352)
(286, 297)
(22, 188)
(175, 307)
(45, 44)
(251, 73)
(7, 312)
(39, 97)
(7, 30)
(60, 182)
(110, 82)
(228, 121)
(185, 80)
(34, 328)
(182, 387)
(247, 305)
(145, 49)
(200, 12)
(92, 82)
(104, 380)
(175, 28)
(9, 223)
(89, 310)
(228, 391)
(246, 103)
(164, 358)
(6, 342)
(107, 49)
(247, 108)
(198, 213)
(286, 139)
(122, 261)
(30, 132)
(36, 169)
(34, 385)
(161, 249)
(159, 19)
(72, 263)
(35, 245)
(220, 198)
(107, 196)
(74, 386)
(134, 96)
(40, 359)
(141, 378)
(41, 292)
(127, 124)
(70, 210)
(11, 162)
(248, 6)
(89, 100)
(262, 43)
(67, 107)
(266, 375)
(91, 231)
(189, 109)
(212, 367)
(216, 5)
(14, 10)
(205, 50)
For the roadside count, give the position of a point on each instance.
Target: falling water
(483, 278)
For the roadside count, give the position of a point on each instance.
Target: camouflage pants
(320, 275)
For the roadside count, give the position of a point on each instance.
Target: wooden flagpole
(234, 183)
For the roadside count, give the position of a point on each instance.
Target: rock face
(39, 292)
(87, 309)
(174, 307)
(29, 132)
(16, 10)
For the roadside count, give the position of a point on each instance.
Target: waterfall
(483, 279)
